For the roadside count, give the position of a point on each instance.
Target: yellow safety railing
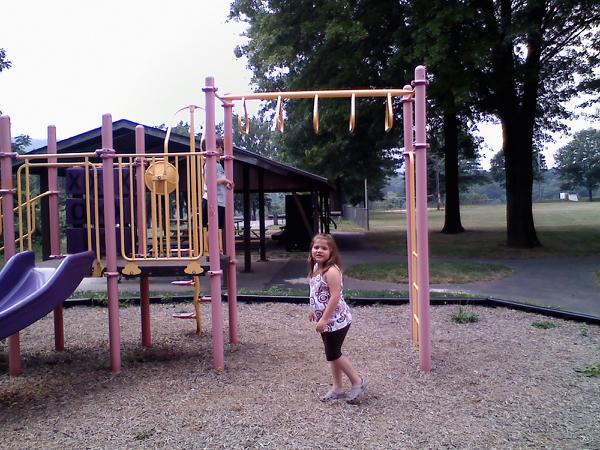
(27, 234)
(172, 229)
(174, 221)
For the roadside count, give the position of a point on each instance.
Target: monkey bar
(413, 99)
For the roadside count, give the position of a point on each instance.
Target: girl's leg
(336, 372)
(343, 365)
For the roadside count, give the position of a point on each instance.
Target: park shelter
(253, 174)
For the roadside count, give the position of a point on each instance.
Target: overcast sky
(75, 60)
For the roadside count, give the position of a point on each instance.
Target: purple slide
(28, 293)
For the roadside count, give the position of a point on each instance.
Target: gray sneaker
(333, 395)
(357, 391)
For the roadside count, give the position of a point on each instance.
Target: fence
(359, 216)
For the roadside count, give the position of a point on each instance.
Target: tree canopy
(259, 139)
(578, 162)
(4, 62)
(329, 45)
(516, 61)
(22, 141)
(534, 56)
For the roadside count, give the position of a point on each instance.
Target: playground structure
(170, 233)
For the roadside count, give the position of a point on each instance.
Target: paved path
(565, 283)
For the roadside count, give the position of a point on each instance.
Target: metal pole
(112, 275)
(407, 109)
(366, 205)
(140, 150)
(215, 272)
(229, 225)
(8, 193)
(59, 331)
(422, 221)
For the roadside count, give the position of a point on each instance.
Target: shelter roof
(278, 177)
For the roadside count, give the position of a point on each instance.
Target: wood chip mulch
(496, 383)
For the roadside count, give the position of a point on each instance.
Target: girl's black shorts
(333, 342)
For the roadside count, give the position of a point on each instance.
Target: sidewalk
(566, 283)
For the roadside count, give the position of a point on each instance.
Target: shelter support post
(247, 252)
(261, 213)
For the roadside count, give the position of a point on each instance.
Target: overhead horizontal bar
(321, 94)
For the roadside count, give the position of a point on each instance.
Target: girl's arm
(228, 183)
(334, 280)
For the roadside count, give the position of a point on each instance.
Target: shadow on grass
(491, 244)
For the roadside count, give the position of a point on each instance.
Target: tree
(4, 63)
(444, 41)
(330, 45)
(260, 138)
(517, 61)
(20, 143)
(498, 167)
(182, 129)
(532, 54)
(578, 162)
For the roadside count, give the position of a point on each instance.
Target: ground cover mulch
(496, 383)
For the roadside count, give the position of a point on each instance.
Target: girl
(329, 309)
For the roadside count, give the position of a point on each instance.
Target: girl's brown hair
(219, 143)
(334, 256)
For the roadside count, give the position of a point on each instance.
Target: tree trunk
(518, 150)
(452, 222)
(590, 195)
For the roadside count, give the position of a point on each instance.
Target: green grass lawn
(439, 272)
(564, 229)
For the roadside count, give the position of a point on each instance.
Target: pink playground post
(215, 273)
(8, 193)
(422, 222)
(112, 274)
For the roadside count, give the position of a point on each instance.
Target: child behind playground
(332, 314)
(222, 184)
